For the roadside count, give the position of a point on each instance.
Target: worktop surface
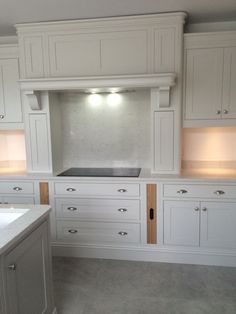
(31, 217)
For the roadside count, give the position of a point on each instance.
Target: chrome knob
(72, 209)
(182, 191)
(226, 111)
(122, 210)
(72, 231)
(122, 190)
(204, 209)
(12, 267)
(17, 188)
(218, 111)
(219, 192)
(70, 189)
(123, 233)
(196, 209)
(2, 116)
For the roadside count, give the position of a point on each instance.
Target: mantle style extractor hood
(161, 82)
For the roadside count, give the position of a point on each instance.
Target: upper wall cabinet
(210, 79)
(113, 46)
(10, 99)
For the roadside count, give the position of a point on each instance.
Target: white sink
(8, 215)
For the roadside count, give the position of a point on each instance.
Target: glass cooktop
(101, 172)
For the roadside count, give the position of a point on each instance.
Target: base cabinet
(27, 275)
(204, 224)
(181, 223)
(218, 225)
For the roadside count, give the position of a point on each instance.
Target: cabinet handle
(2, 116)
(204, 209)
(122, 210)
(12, 267)
(182, 191)
(123, 233)
(72, 209)
(219, 192)
(218, 112)
(151, 214)
(196, 209)
(122, 190)
(72, 231)
(17, 188)
(71, 190)
(226, 111)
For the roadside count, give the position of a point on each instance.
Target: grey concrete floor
(96, 286)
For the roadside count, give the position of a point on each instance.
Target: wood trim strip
(151, 205)
(44, 193)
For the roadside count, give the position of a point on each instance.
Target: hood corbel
(33, 99)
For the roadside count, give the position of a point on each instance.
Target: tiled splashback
(106, 131)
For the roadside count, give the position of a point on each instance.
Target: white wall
(106, 135)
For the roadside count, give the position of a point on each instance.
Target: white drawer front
(97, 232)
(116, 189)
(16, 187)
(92, 209)
(18, 200)
(203, 191)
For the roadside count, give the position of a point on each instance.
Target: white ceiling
(18, 11)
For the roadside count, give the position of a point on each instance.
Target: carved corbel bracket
(34, 99)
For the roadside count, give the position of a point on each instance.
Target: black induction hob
(101, 172)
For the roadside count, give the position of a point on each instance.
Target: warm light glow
(114, 99)
(95, 100)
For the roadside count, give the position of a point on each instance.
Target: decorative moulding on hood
(162, 82)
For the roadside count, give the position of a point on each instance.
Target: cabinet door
(10, 101)
(203, 83)
(181, 223)
(229, 84)
(28, 275)
(163, 153)
(218, 221)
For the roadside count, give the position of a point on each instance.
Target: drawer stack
(90, 213)
(17, 192)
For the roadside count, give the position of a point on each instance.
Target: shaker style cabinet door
(229, 84)
(27, 275)
(218, 221)
(203, 83)
(181, 223)
(10, 101)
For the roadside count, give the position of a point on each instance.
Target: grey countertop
(15, 230)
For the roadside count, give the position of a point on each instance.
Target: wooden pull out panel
(151, 214)
(44, 193)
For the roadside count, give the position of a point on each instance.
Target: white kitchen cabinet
(210, 75)
(198, 219)
(181, 223)
(10, 100)
(114, 46)
(97, 213)
(218, 221)
(18, 192)
(27, 275)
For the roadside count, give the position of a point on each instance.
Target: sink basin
(8, 215)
